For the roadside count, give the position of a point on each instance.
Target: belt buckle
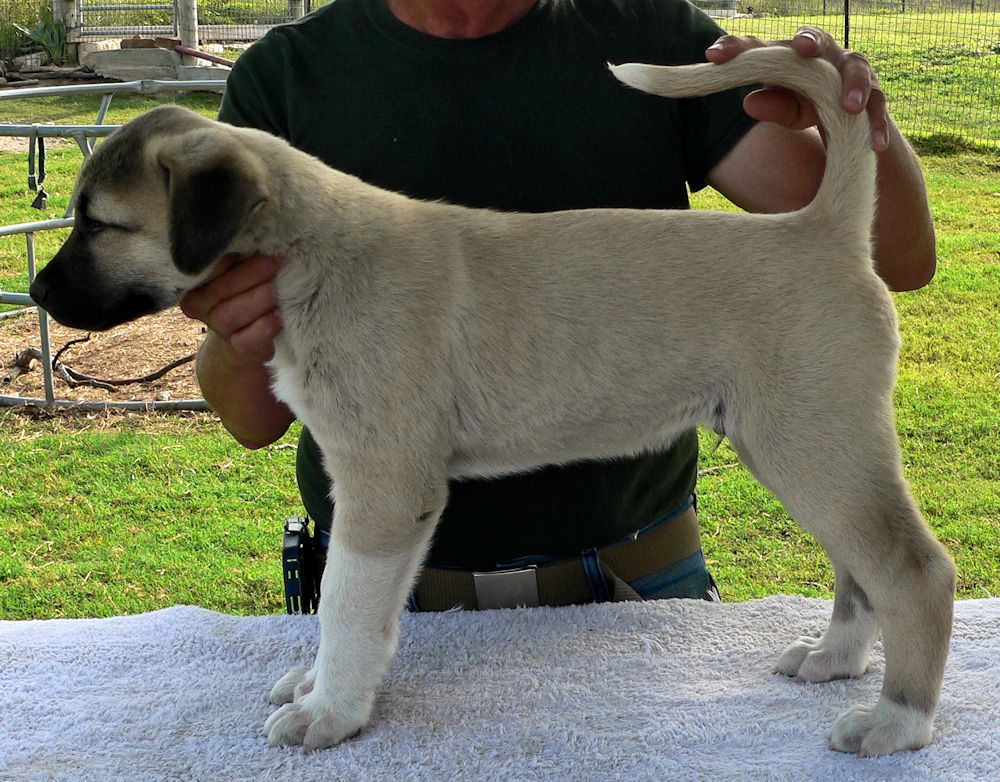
(506, 588)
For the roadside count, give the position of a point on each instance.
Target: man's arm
(239, 307)
(778, 165)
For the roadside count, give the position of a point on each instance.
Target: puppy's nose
(39, 291)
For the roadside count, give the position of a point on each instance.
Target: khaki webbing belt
(564, 582)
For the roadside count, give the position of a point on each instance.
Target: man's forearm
(238, 389)
(775, 169)
(905, 248)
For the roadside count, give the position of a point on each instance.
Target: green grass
(103, 515)
(135, 513)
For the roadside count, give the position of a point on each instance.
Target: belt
(566, 581)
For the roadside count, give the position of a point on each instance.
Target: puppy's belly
(533, 448)
(508, 437)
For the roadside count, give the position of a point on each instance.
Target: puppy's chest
(299, 356)
(291, 382)
(306, 379)
(286, 383)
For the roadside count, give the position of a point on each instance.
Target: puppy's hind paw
(881, 729)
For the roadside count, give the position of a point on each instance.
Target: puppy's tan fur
(424, 341)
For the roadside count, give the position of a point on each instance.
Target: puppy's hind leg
(384, 517)
(834, 462)
(910, 579)
(842, 652)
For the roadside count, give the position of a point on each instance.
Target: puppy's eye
(89, 225)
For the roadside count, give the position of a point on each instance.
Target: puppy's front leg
(370, 569)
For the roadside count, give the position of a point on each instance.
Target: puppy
(424, 341)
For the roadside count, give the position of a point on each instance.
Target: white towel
(666, 690)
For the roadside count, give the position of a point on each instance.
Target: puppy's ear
(215, 185)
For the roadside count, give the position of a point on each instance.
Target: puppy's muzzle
(39, 292)
(72, 294)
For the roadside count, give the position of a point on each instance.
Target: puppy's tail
(846, 196)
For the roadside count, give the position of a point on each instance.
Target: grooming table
(673, 689)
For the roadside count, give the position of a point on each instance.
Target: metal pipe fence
(84, 135)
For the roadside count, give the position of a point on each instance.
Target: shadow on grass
(944, 144)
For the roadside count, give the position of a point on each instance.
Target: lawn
(108, 514)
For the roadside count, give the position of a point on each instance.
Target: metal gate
(118, 18)
(218, 20)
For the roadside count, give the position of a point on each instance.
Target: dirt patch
(20, 144)
(132, 350)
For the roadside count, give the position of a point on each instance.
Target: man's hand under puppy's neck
(467, 19)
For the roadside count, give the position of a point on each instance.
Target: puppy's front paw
(881, 729)
(820, 660)
(293, 685)
(315, 721)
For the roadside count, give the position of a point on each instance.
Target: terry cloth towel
(665, 690)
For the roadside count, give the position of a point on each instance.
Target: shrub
(26, 13)
(48, 35)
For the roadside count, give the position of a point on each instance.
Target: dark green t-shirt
(528, 119)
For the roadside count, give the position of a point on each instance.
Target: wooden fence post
(187, 27)
(65, 11)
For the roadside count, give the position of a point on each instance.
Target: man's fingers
(781, 106)
(810, 42)
(237, 312)
(234, 279)
(257, 339)
(878, 118)
(858, 79)
(860, 92)
(728, 46)
(239, 304)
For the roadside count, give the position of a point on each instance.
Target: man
(508, 105)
